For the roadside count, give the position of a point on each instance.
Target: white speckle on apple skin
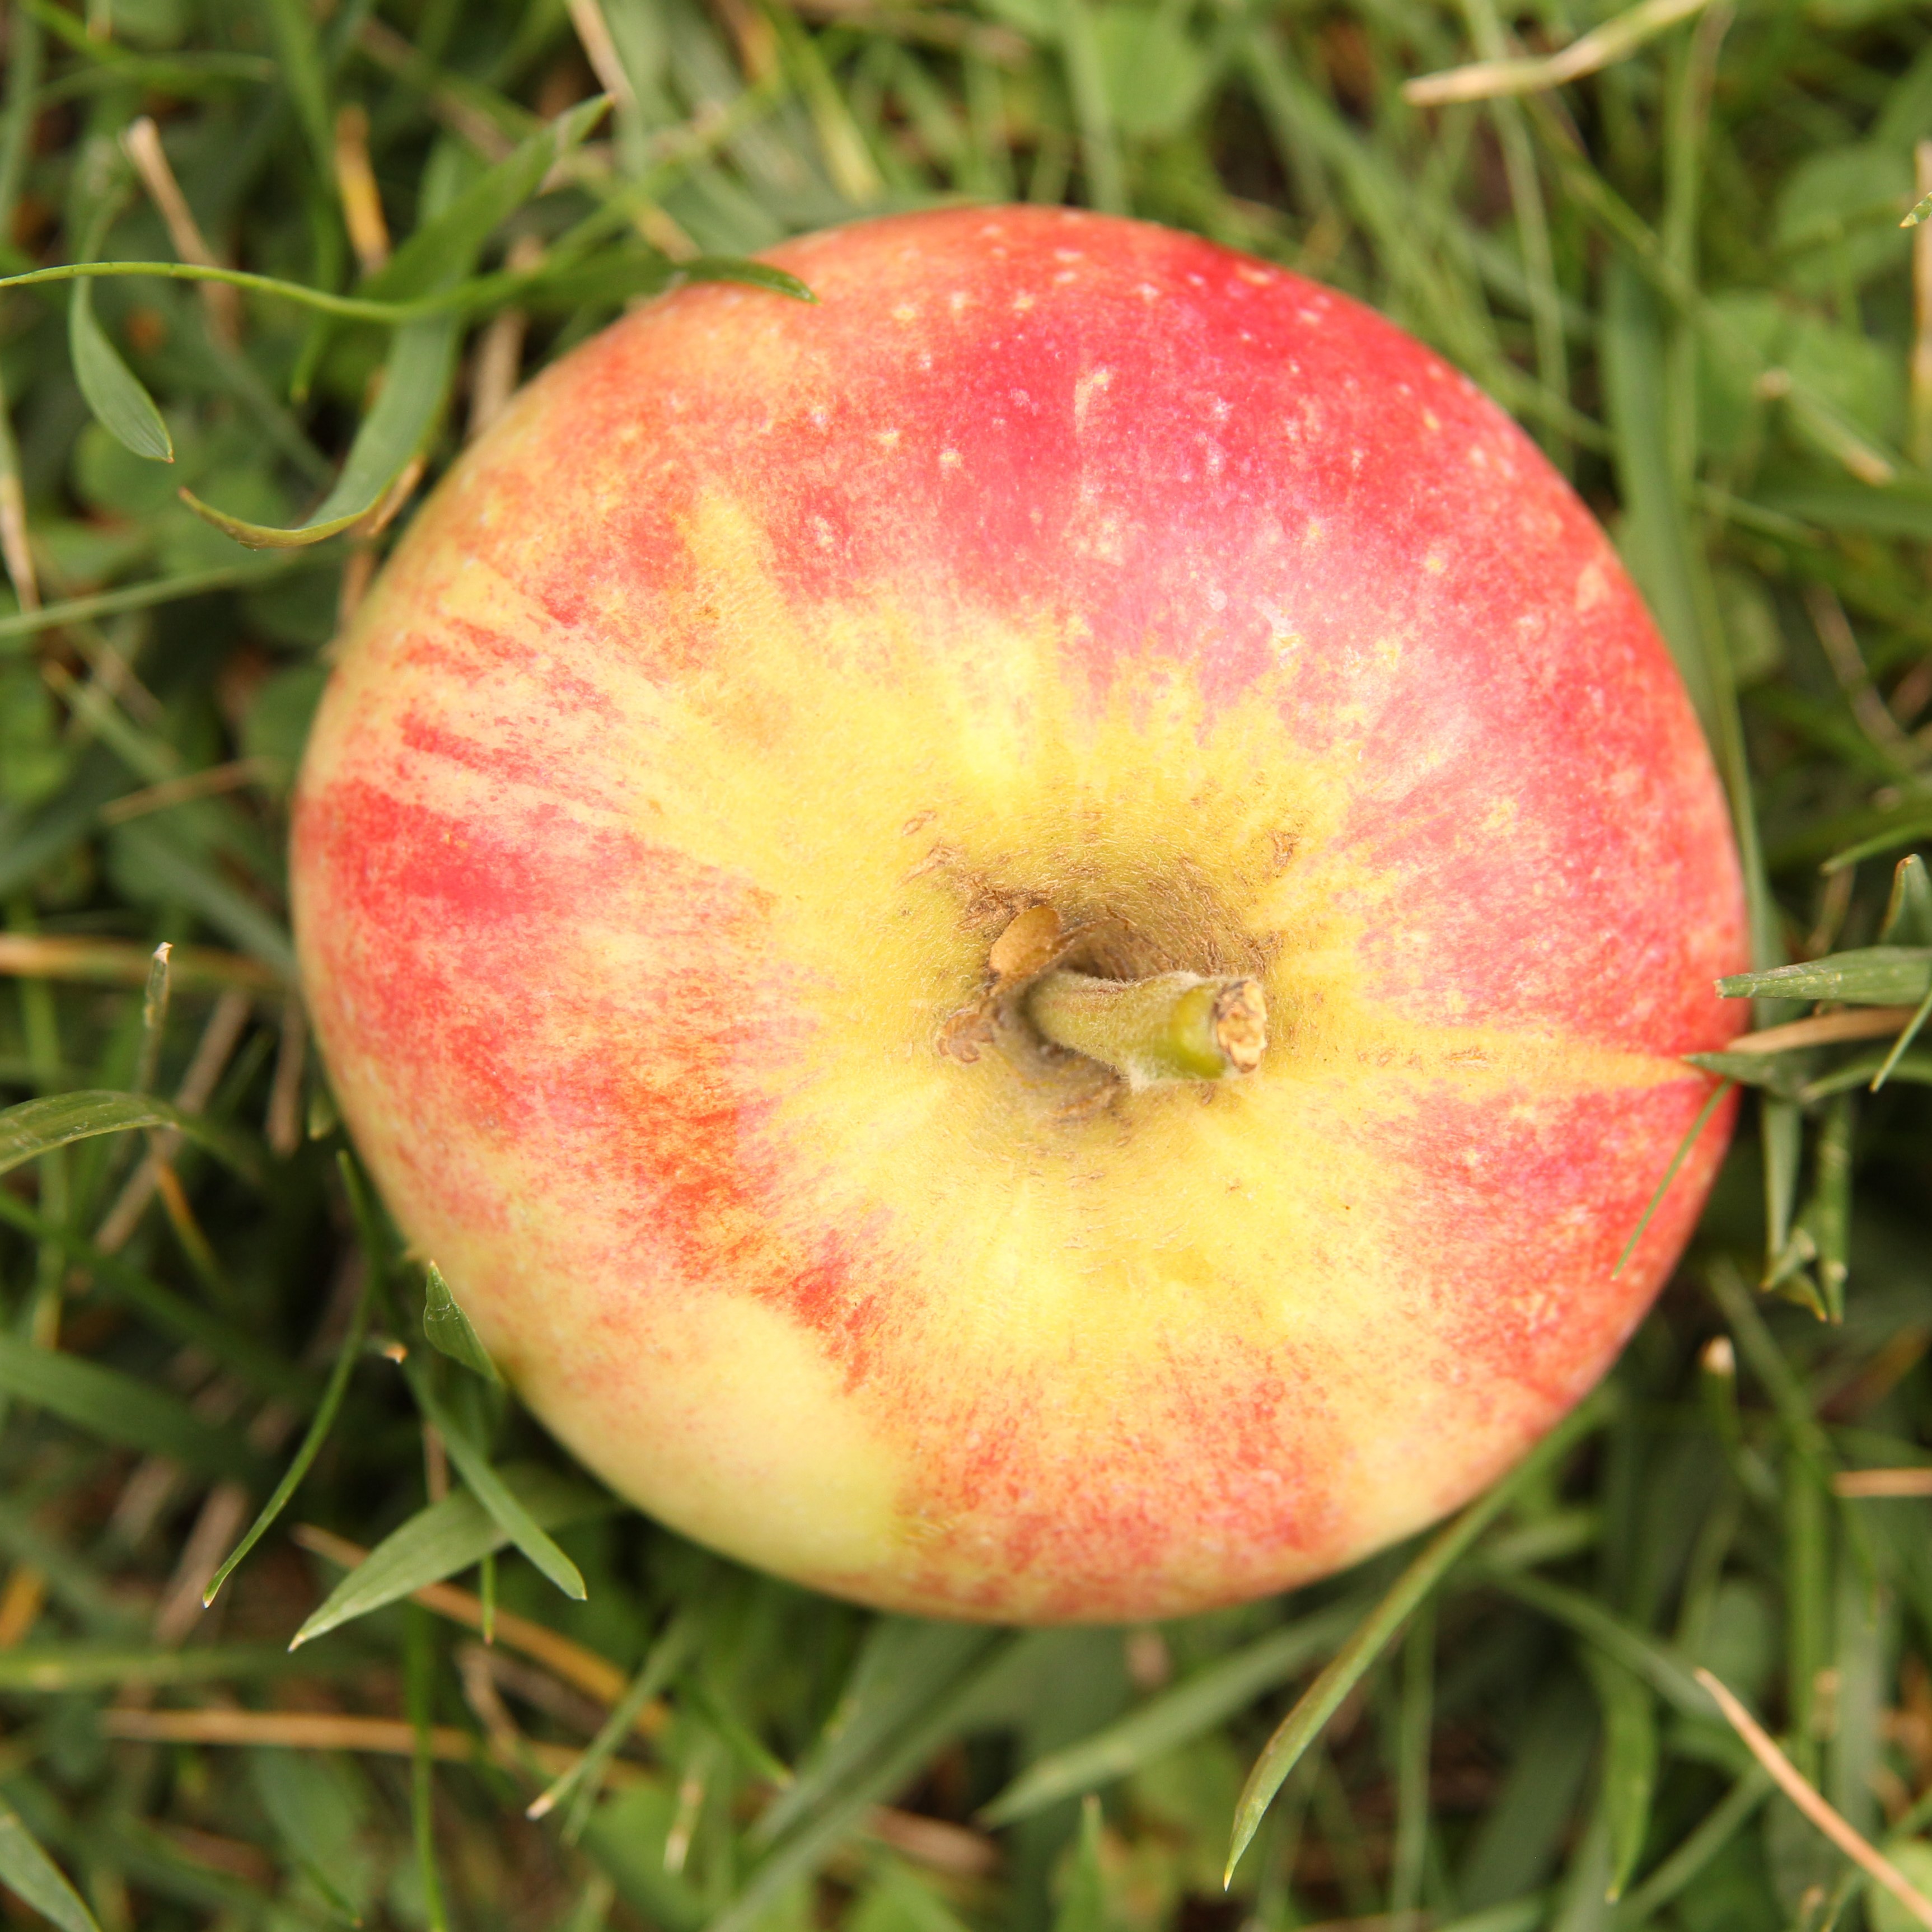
(1084, 389)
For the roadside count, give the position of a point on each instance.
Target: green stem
(1175, 1026)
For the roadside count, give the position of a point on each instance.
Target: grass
(1682, 270)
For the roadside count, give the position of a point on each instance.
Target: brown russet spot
(1028, 945)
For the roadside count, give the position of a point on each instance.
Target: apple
(793, 723)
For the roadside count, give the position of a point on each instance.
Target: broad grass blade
(451, 1535)
(28, 1872)
(1870, 975)
(36, 1127)
(114, 393)
(1656, 542)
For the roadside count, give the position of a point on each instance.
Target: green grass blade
(1583, 1899)
(419, 1666)
(35, 1127)
(1304, 1724)
(581, 1782)
(1086, 81)
(298, 57)
(174, 867)
(73, 1580)
(1628, 1778)
(1826, 1216)
(1908, 912)
(1517, 1914)
(903, 1663)
(440, 252)
(1415, 1725)
(1656, 543)
(1903, 826)
(300, 63)
(105, 1403)
(505, 1508)
(154, 1016)
(448, 1331)
(1758, 1347)
(297, 1793)
(28, 1872)
(63, 1669)
(311, 1444)
(1708, 1838)
(485, 291)
(1084, 1907)
(1645, 1656)
(120, 403)
(175, 1314)
(1691, 1139)
(416, 382)
(840, 1805)
(447, 1536)
(1903, 1043)
(1781, 1130)
(1776, 1073)
(26, 52)
(1870, 975)
(22, 624)
(1174, 1717)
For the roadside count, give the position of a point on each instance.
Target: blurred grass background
(1674, 251)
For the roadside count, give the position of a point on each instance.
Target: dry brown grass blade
(121, 962)
(329, 1730)
(216, 778)
(1613, 41)
(933, 1842)
(142, 142)
(1825, 1030)
(1882, 1482)
(1803, 1794)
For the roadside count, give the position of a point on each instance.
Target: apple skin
(734, 692)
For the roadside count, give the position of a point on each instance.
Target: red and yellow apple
(738, 692)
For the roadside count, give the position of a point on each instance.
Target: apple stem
(1175, 1026)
